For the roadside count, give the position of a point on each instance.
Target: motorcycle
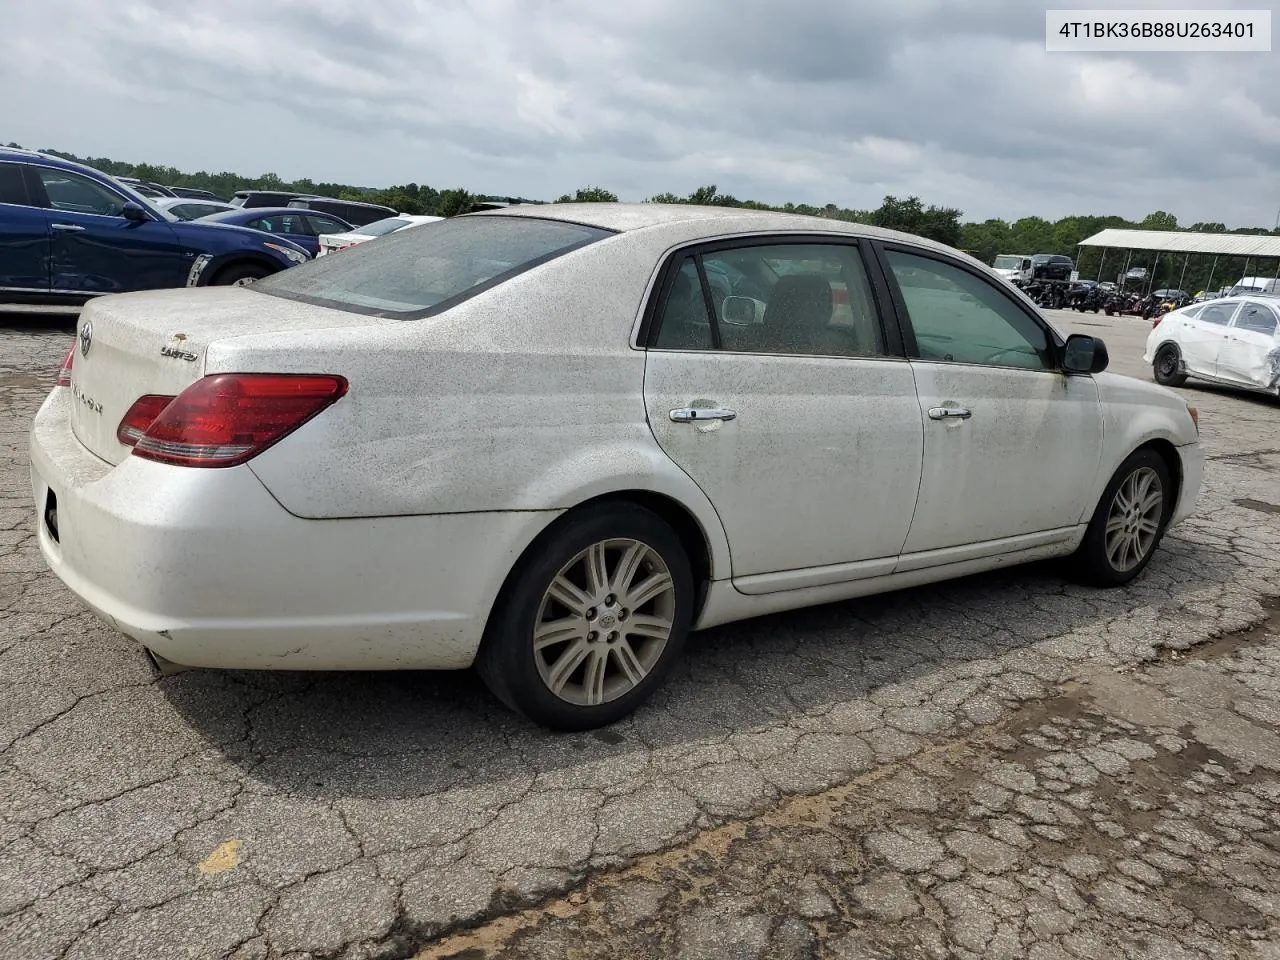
(1088, 299)
(1120, 302)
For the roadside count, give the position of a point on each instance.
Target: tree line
(984, 240)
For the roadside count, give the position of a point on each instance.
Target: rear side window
(413, 273)
(12, 188)
(1217, 313)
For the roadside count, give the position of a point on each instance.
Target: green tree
(912, 216)
(453, 202)
(590, 195)
(1159, 220)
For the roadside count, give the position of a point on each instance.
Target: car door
(24, 236)
(1201, 337)
(771, 381)
(1249, 352)
(1011, 444)
(95, 249)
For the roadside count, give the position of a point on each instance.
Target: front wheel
(1166, 366)
(239, 275)
(590, 624)
(1128, 524)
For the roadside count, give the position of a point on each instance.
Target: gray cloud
(807, 100)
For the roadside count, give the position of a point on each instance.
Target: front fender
(1135, 413)
(209, 265)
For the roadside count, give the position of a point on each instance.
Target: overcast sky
(815, 101)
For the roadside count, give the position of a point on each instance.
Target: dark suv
(69, 233)
(1051, 266)
(353, 211)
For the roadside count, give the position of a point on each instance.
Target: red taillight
(140, 417)
(228, 418)
(64, 375)
(1156, 322)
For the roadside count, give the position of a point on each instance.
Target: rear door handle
(949, 413)
(691, 414)
(67, 227)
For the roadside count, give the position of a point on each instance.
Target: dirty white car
(1232, 340)
(535, 440)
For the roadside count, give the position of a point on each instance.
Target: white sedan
(333, 242)
(1232, 340)
(535, 441)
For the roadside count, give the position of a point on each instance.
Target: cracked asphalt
(1004, 766)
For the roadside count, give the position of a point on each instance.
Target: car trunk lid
(133, 345)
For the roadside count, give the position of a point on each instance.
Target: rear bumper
(206, 569)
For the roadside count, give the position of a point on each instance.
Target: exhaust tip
(163, 667)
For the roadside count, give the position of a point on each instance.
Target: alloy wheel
(1133, 522)
(604, 622)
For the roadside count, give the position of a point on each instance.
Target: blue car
(69, 233)
(302, 227)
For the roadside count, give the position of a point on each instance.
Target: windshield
(380, 228)
(421, 271)
(1008, 263)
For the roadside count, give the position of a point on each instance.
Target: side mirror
(740, 311)
(1084, 354)
(134, 212)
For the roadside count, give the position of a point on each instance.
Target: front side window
(1256, 318)
(806, 299)
(73, 193)
(413, 271)
(959, 318)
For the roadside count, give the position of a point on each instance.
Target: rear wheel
(1128, 524)
(591, 623)
(1167, 366)
(239, 275)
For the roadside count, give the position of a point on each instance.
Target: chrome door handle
(949, 413)
(68, 227)
(690, 414)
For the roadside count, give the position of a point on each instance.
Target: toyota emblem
(86, 338)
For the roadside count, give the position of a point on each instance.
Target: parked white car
(333, 242)
(186, 208)
(524, 439)
(1231, 340)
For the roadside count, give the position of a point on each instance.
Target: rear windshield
(381, 228)
(430, 268)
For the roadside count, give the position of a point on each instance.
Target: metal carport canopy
(1177, 241)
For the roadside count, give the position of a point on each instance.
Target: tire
(1166, 366)
(238, 275)
(605, 668)
(1112, 560)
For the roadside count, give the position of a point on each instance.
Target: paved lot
(1004, 766)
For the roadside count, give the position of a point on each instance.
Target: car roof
(264, 211)
(695, 222)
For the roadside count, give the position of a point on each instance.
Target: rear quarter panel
(526, 397)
